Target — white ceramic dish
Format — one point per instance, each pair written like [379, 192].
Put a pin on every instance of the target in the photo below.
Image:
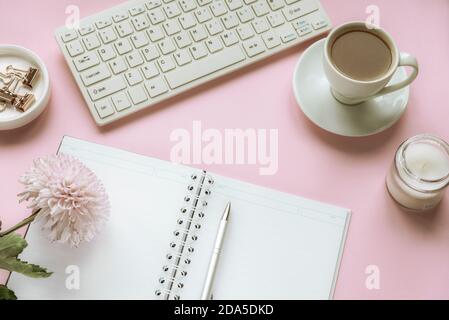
[20, 57]
[312, 92]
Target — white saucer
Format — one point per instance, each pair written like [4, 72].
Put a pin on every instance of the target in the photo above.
[23, 58]
[313, 95]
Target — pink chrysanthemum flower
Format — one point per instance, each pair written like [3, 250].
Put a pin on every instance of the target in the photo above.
[72, 201]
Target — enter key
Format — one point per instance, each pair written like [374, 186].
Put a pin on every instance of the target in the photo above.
[300, 9]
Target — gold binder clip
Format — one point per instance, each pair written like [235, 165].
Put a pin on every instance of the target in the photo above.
[13, 79]
[7, 98]
[12, 85]
[6, 78]
[28, 77]
[23, 103]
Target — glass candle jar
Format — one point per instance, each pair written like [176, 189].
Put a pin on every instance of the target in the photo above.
[420, 173]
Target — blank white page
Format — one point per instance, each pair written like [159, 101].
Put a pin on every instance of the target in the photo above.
[277, 246]
[125, 260]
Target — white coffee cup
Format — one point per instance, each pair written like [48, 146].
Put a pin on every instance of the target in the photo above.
[352, 91]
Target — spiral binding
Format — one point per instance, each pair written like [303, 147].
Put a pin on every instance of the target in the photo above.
[182, 247]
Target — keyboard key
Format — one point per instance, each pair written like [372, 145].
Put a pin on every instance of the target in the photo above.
[106, 88]
[299, 9]
[139, 40]
[287, 37]
[229, 38]
[69, 35]
[140, 22]
[218, 8]
[198, 51]
[95, 75]
[172, 10]
[183, 40]
[75, 48]
[203, 14]
[306, 29]
[245, 14]
[198, 33]
[153, 4]
[124, 28]
[86, 29]
[271, 39]
[205, 66]
[155, 33]
[234, 4]
[118, 65]
[107, 53]
[261, 8]
[171, 27]
[123, 46]
[245, 31]
[275, 19]
[119, 17]
[134, 11]
[107, 35]
[121, 101]
[260, 25]
[214, 27]
[86, 61]
[276, 4]
[134, 59]
[287, 33]
[230, 20]
[204, 2]
[187, 5]
[133, 77]
[150, 52]
[103, 23]
[249, 1]
[166, 46]
[156, 87]
[299, 23]
[253, 47]
[166, 64]
[182, 57]
[150, 70]
[156, 16]
[319, 23]
[104, 109]
[91, 42]
[138, 94]
[214, 44]
[187, 21]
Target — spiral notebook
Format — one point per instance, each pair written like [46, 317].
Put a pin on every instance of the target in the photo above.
[159, 239]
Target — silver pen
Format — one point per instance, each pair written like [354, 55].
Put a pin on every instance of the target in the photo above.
[206, 295]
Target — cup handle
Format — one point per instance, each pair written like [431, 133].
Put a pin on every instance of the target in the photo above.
[405, 60]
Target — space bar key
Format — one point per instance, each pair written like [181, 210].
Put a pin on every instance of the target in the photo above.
[205, 66]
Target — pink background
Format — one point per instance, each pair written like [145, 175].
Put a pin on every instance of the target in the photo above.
[411, 251]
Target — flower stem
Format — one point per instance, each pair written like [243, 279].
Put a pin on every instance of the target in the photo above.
[21, 224]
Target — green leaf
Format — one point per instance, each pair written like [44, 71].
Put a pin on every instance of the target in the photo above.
[10, 247]
[23, 267]
[6, 294]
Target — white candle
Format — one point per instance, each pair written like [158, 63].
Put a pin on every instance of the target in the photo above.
[419, 173]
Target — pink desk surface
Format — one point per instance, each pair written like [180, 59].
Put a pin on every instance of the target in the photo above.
[411, 252]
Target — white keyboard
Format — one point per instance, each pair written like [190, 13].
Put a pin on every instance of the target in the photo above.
[139, 53]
